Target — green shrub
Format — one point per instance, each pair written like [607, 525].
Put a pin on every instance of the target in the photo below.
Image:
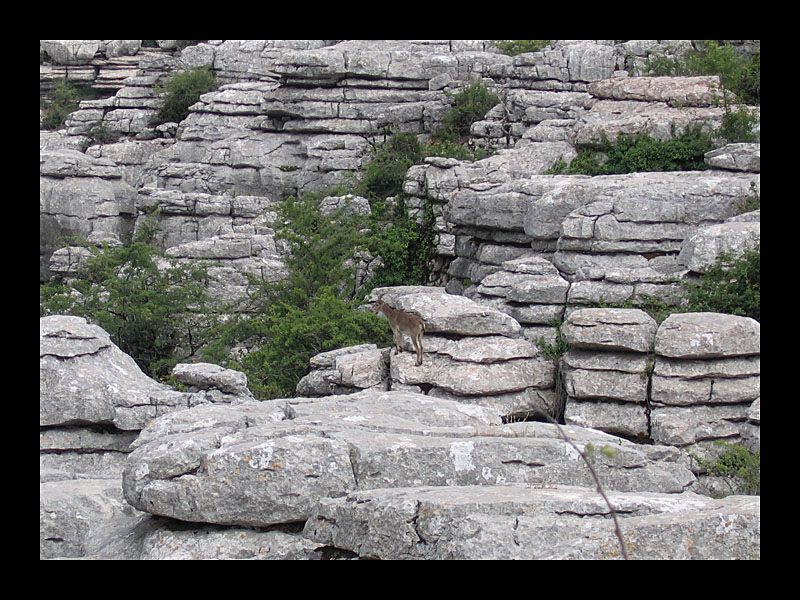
[740, 467]
[321, 246]
[642, 152]
[181, 91]
[470, 104]
[384, 174]
[100, 134]
[732, 285]
[514, 47]
[153, 313]
[406, 247]
[286, 336]
[65, 100]
[737, 125]
[451, 149]
[737, 73]
[312, 311]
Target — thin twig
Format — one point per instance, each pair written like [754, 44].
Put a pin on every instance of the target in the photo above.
[583, 456]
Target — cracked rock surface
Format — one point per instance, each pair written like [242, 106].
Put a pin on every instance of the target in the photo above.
[247, 464]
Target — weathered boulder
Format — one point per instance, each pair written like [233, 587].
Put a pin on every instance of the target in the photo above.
[705, 197]
[707, 376]
[531, 290]
[346, 370]
[606, 370]
[206, 376]
[523, 522]
[610, 329]
[708, 335]
[472, 354]
[736, 157]
[85, 378]
[610, 118]
[73, 513]
[93, 398]
[248, 464]
[70, 52]
[78, 196]
[676, 91]
[701, 250]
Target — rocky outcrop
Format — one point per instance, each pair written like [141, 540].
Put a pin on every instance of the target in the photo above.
[606, 369]
[227, 463]
[81, 196]
[93, 401]
[378, 457]
[295, 116]
[509, 522]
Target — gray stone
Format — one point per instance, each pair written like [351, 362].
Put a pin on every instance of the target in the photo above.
[72, 512]
[707, 335]
[515, 522]
[736, 157]
[630, 330]
[675, 91]
[701, 250]
[205, 376]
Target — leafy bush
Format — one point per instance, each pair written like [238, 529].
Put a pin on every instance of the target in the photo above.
[737, 125]
[731, 285]
[514, 47]
[738, 466]
[405, 246]
[287, 336]
[470, 104]
[181, 91]
[451, 149]
[65, 100]
[642, 152]
[384, 174]
[737, 73]
[152, 308]
[322, 248]
[313, 310]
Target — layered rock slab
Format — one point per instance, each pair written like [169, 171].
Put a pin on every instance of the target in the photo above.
[518, 522]
[258, 464]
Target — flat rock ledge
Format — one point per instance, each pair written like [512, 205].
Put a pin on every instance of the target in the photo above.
[260, 464]
[520, 522]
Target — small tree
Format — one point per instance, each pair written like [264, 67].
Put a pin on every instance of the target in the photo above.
[732, 285]
[154, 309]
[181, 91]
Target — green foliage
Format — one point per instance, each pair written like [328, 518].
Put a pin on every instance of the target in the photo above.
[65, 100]
[312, 311]
[739, 466]
[451, 149]
[100, 134]
[737, 73]
[152, 308]
[322, 247]
[287, 336]
[469, 105]
[554, 351]
[514, 47]
[737, 126]
[642, 152]
[405, 246]
[181, 91]
[385, 172]
[732, 285]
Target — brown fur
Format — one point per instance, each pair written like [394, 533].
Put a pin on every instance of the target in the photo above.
[403, 322]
